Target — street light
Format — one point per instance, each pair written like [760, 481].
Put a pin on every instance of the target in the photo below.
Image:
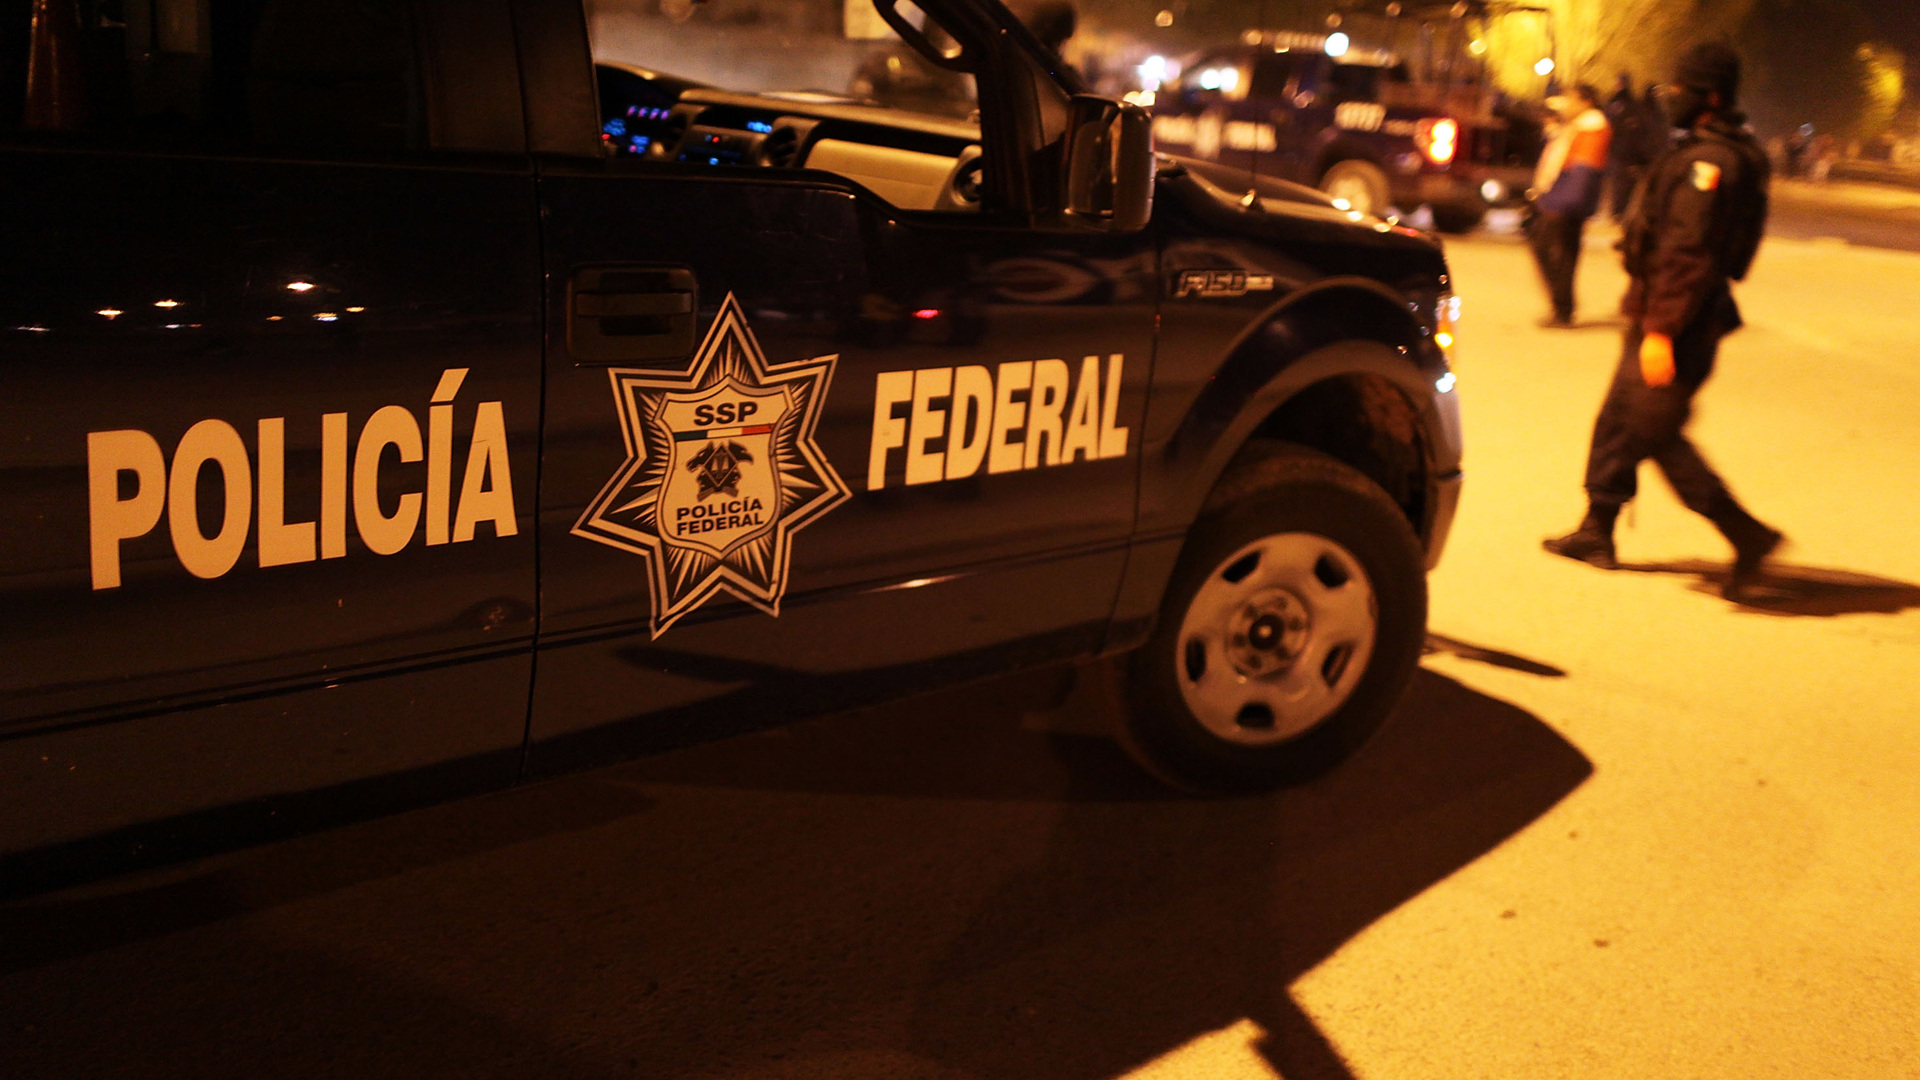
[1336, 44]
[1152, 72]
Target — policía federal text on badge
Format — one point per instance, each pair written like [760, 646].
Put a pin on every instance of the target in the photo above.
[721, 471]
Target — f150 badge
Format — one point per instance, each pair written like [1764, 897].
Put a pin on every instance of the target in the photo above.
[721, 471]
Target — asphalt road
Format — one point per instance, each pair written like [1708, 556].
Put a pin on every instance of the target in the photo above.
[1620, 827]
[1865, 215]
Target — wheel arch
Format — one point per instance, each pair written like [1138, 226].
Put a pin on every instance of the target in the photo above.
[1339, 150]
[1342, 367]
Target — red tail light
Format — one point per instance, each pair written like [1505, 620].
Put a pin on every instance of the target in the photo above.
[1438, 138]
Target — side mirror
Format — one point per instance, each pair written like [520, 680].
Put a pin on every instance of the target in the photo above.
[1109, 163]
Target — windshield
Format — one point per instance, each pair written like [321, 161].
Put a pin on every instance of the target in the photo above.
[809, 50]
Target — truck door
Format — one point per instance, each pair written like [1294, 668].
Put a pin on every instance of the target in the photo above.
[828, 415]
[1208, 111]
[267, 435]
[1278, 103]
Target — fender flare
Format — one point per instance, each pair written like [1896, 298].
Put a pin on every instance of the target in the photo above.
[1296, 344]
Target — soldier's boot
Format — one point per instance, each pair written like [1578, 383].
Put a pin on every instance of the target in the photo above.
[1752, 542]
[1592, 542]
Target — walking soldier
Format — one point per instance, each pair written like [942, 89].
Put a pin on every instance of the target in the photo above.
[1694, 226]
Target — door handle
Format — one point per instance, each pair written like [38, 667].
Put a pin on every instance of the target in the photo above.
[603, 305]
[627, 313]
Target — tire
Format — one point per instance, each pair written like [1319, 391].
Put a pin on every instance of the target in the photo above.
[1361, 183]
[1457, 219]
[1290, 628]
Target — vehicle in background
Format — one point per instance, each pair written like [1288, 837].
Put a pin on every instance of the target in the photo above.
[1373, 128]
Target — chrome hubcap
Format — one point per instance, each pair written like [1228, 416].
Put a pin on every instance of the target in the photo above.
[1267, 633]
[1276, 638]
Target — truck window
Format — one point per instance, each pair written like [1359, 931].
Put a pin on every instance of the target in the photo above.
[1353, 82]
[1213, 77]
[1274, 77]
[283, 75]
[819, 84]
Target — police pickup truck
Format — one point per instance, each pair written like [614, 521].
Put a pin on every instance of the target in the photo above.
[1353, 122]
[395, 403]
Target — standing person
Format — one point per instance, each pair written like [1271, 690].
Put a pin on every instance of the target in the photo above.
[1566, 190]
[1822, 152]
[1694, 227]
[1797, 144]
[1628, 152]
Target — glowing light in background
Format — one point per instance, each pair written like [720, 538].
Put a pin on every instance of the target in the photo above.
[1337, 44]
[1544, 67]
[299, 286]
[1221, 78]
[1439, 138]
[1152, 72]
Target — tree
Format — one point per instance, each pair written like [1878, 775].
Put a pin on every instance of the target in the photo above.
[1883, 86]
[1594, 40]
[1805, 66]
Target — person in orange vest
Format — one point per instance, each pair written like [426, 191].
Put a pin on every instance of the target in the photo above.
[1566, 192]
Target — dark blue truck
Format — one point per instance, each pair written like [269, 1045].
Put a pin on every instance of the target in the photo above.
[1357, 125]
[406, 398]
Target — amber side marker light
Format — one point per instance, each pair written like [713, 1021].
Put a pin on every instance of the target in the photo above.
[1446, 314]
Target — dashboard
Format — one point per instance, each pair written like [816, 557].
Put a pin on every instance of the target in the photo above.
[913, 161]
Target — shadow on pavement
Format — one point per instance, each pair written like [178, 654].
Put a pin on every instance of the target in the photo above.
[1437, 643]
[135, 907]
[1784, 589]
[926, 888]
[1148, 920]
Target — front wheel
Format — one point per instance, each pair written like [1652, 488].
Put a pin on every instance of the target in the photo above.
[1359, 184]
[1288, 632]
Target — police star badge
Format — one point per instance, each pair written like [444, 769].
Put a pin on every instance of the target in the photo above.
[721, 471]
